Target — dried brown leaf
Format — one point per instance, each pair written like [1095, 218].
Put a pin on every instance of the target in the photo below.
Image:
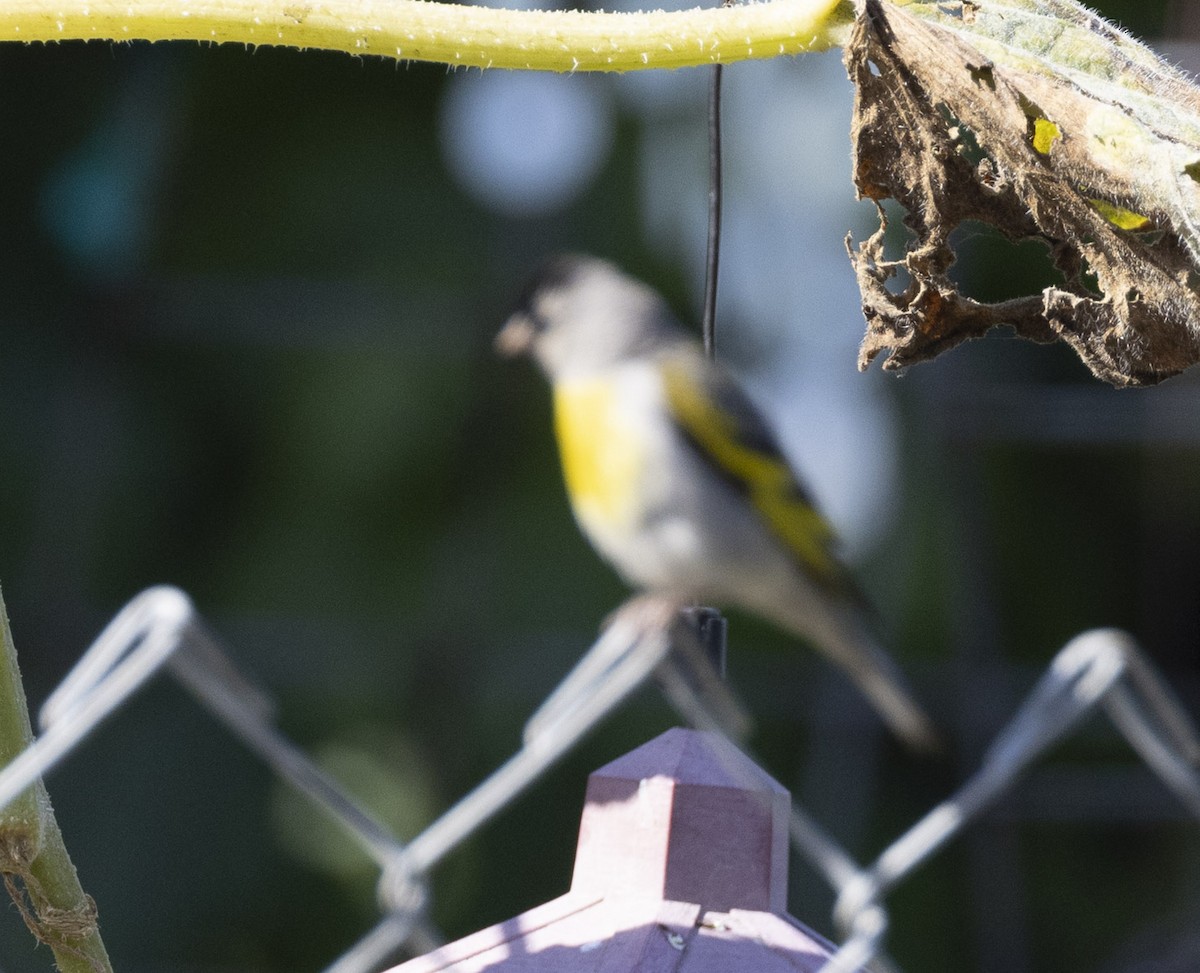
[953, 135]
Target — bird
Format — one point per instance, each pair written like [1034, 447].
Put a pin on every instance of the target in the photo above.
[677, 479]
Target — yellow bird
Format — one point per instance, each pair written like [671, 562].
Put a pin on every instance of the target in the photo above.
[677, 480]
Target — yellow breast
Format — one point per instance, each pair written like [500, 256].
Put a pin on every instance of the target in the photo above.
[601, 453]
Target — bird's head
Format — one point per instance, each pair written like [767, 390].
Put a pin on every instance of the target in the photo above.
[580, 314]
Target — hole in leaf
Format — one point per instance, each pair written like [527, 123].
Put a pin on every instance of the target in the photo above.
[992, 268]
[965, 142]
[897, 239]
[899, 281]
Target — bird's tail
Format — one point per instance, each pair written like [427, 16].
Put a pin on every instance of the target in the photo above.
[843, 637]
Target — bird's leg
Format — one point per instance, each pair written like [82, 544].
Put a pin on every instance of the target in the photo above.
[692, 675]
[711, 632]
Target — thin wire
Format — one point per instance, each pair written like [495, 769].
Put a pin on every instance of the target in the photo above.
[713, 250]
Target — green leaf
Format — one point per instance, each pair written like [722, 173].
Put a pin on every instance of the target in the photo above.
[1045, 134]
[1119, 216]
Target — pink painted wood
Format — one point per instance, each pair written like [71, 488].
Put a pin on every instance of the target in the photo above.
[681, 868]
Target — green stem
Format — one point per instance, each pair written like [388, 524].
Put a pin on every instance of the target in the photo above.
[33, 859]
[455, 34]
[21, 821]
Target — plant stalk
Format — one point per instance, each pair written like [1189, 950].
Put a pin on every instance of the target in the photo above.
[449, 33]
[36, 868]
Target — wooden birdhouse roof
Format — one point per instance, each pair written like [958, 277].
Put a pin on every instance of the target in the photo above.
[681, 867]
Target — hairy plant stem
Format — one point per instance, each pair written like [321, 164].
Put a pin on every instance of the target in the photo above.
[36, 869]
[453, 34]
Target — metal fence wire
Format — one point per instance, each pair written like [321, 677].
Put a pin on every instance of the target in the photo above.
[1098, 671]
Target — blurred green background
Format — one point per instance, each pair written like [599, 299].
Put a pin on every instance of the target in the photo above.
[246, 308]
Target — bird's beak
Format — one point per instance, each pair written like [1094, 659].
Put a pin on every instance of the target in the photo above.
[516, 337]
